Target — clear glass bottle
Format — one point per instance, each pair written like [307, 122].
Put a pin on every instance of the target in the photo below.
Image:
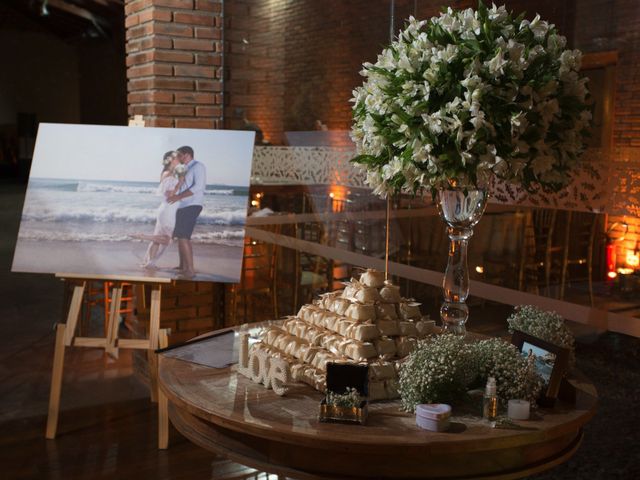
[490, 401]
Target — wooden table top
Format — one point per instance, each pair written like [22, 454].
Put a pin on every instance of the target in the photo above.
[226, 400]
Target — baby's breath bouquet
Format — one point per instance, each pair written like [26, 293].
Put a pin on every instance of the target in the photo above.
[349, 399]
[515, 375]
[467, 95]
[438, 370]
[442, 370]
[548, 326]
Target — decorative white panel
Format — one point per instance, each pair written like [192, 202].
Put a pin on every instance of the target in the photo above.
[604, 182]
[305, 166]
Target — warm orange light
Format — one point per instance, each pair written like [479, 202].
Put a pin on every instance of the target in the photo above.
[338, 192]
[255, 203]
[480, 269]
[338, 195]
[612, 274]
[633, 259]
[625, 271]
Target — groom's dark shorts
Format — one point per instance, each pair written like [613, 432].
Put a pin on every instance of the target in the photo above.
[186, 221]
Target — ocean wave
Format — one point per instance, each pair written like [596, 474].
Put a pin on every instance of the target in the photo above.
[235, 217]
[100, 187]
[224, 237]
[109, 188]
[227, 191]
[205, 237]
[75, 237]
[232, 238]
[82, 214]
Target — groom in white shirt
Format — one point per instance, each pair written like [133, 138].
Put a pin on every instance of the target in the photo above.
[191, 198]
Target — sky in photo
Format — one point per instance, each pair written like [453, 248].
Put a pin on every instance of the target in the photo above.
[92, 152]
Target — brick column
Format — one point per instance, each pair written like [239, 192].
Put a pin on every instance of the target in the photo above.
[174, 62]
[174, 73]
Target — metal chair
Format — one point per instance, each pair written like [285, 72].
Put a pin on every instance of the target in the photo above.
[541, 253]
[582, 228]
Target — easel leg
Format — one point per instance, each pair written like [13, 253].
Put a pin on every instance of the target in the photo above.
[114, 321]
[154, 326]
[163, 403]
[74, 312]
[64, 338]
[56, 382]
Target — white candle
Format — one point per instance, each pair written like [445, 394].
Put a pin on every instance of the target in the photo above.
[518, 409]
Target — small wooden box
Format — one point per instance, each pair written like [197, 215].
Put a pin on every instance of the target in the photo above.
[340, 377]
[334, 413]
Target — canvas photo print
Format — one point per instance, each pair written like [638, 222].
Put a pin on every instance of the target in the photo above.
[136, 202]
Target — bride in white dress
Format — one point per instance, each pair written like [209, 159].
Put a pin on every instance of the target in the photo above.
[166, 216]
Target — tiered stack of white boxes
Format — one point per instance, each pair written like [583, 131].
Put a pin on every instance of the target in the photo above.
[367, 323]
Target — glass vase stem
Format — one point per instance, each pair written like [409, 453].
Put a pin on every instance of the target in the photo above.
[455, 284]
[461, 209]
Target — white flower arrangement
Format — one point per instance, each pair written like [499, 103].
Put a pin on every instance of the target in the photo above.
[515, 375]
[548, 326]
[441, 370]
[468, 95]
[180, 171]
[437, 371]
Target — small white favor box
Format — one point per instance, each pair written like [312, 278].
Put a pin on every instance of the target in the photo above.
[433, 416]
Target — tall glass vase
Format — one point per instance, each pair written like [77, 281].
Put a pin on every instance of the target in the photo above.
[461, 209]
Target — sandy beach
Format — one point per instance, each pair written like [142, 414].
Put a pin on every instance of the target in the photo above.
[213, 262]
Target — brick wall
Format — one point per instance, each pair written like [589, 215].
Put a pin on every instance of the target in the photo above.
[292, 63]
[190, 309]
[174, 58]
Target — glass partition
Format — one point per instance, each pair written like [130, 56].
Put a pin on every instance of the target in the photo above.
[289, 73]
[575, 261]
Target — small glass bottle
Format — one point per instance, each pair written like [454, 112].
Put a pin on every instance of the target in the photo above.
[490, 401]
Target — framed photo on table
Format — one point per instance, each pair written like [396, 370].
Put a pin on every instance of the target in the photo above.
[552, 362]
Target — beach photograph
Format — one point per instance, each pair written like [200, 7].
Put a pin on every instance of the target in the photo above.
[136, 202]
[544, 360]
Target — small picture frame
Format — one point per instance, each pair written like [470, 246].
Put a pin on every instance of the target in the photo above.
[552, 362]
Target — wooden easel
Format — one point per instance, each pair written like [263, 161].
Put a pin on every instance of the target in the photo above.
[66, 337]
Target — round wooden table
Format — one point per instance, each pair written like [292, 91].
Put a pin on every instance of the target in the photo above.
[223, 411]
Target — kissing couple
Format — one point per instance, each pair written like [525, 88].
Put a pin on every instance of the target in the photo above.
[182, 185]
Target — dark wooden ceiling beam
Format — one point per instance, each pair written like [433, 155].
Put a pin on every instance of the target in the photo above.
[112, 6]
[78, 12]
[108, 3]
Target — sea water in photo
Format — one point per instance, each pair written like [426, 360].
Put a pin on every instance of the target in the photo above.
[111, 213]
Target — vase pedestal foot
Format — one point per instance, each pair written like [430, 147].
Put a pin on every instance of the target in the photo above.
[454, 315]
